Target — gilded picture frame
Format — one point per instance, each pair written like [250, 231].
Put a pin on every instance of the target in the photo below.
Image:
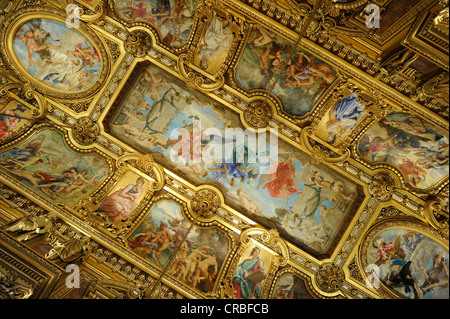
[84, 56]
[412, 243]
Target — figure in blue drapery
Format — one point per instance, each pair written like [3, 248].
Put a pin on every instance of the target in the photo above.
[248, 277]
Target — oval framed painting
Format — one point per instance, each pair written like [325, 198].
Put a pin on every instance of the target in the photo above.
[405, 259]
[57, 59]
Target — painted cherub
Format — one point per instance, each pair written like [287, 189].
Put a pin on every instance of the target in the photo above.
[34, 41]
[85, 53]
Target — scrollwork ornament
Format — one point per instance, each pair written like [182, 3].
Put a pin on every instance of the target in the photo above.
[146, 164]
[320, 153]
[25, 94]
[197, 81]
[205, 203]
[271, 238]
[382, 187]
[97, 13]
[329, 278]
[436, 216]
[26, 99]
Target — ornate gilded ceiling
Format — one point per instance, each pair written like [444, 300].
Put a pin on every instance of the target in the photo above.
[224, 149]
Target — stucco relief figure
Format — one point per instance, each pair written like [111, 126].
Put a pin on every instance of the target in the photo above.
[74, 250]
[30, 227]
[11, 288]
[121, 203]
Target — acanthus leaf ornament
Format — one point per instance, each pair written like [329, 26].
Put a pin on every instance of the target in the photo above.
[85, 131]
[382, 187]
[205, 203]
[330, 278]
[138, 43]
[258, 114]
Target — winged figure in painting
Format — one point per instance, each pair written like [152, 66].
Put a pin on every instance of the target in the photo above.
[35, 40]
[388, 249]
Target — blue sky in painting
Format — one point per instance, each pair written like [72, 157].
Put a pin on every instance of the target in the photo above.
[60, 35]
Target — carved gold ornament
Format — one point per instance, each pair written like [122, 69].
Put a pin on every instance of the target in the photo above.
[329, 278]
[116, 135]
[138, 43]
[85, 131]
[65, 84]
[435, 214]
[205, 203]
[12, 287]
[258, 114]
[382, 186]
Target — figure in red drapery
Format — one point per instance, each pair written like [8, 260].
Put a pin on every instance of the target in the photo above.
[282, 182]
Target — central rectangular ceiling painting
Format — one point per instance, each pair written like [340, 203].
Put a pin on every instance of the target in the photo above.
[306, 202]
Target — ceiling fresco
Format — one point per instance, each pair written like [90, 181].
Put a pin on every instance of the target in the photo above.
[253, 149]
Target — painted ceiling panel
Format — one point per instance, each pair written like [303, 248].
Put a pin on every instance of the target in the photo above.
[224, 149]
